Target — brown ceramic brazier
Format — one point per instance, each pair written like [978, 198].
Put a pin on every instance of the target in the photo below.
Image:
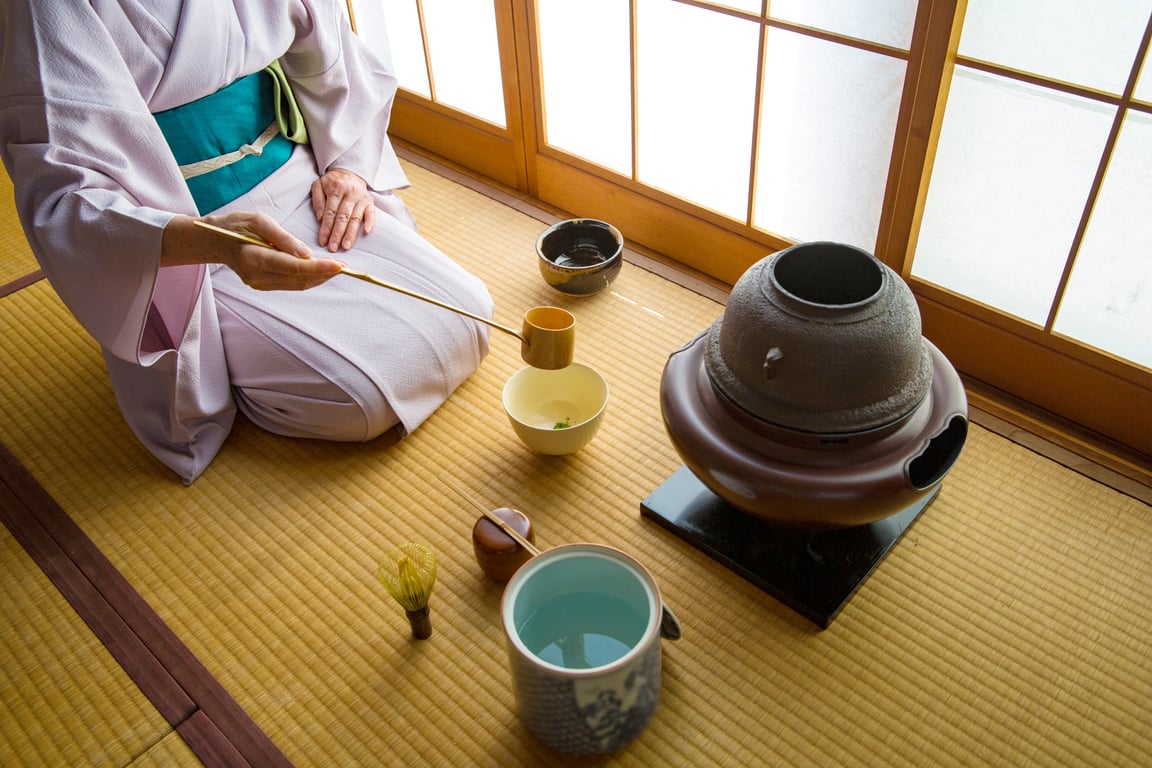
[814, 400]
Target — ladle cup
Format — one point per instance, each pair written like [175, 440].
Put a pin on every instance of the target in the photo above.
[547, 337]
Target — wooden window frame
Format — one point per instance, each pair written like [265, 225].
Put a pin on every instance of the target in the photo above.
[1085, 388]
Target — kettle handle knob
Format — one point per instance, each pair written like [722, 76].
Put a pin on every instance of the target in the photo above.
[771, 360]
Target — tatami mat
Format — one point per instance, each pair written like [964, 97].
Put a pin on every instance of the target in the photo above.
[1009, 627]
[16, 261]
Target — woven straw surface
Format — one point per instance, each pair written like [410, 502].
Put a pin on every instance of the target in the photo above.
[15, 258]
[1009, 627]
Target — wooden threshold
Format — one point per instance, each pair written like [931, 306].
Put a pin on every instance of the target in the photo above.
[1057, 439]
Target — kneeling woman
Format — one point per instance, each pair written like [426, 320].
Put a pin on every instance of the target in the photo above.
[264, 118]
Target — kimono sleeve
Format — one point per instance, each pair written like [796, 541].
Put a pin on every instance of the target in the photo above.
[345, 92]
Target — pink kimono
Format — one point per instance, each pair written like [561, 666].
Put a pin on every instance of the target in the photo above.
[96, 183]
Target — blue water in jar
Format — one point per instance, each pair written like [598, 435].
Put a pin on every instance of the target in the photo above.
[583, 630]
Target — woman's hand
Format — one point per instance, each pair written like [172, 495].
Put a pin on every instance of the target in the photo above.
[342, 205]
[286, 264]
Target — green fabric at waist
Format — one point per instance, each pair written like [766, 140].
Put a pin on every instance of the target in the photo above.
[221, 123]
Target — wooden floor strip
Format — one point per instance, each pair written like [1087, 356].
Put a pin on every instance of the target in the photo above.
[21, 282]
[57, 563]
[187, 695]
[209, 743]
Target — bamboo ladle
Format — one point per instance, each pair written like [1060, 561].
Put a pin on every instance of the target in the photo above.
[547, 336]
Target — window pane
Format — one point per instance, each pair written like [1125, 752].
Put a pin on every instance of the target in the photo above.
[584, 50]
[404, 39]
[697, 86]
[1074, 40]
[465, 57]
[827, 123]
[1012, 172]
[1108, 302]
[882, 21]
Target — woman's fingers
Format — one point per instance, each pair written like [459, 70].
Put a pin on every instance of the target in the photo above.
[286, 263]
[262, 227]
[343, 207]
[267, 269]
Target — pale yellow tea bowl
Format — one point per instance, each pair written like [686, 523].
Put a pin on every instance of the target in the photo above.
[556, 411]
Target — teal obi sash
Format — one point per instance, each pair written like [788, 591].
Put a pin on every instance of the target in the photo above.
[229, 141]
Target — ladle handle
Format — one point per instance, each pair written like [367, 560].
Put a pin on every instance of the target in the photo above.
[407, 292]
[368, 278]
[514, 534]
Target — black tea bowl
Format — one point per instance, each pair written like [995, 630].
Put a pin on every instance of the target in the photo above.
[580, 257]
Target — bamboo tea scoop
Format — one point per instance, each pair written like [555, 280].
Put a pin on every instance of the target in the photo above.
[547, 336]
[669, 624]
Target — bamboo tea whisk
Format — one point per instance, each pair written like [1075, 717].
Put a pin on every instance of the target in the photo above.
[408, 573]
